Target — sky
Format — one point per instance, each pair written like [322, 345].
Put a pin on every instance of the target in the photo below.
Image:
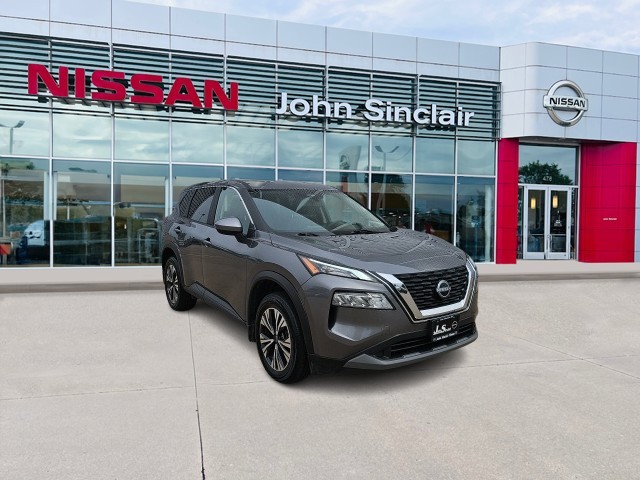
[605, 25]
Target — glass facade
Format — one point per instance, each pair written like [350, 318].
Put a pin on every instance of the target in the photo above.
[88, 183]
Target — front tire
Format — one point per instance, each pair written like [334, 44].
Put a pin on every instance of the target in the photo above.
[179, 299]
[279, 340]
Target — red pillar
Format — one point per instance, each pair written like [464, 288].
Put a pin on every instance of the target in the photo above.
[507, 201]
[607, 202]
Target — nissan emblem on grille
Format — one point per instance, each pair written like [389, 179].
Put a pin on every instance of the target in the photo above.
[443, 288]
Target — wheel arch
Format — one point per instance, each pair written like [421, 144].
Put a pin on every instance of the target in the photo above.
[269, 282]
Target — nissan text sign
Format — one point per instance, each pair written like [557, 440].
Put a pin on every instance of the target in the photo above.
[111, 86]
[556, 104]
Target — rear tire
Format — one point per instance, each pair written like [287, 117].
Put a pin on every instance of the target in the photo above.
[279, 340]
[178, 298]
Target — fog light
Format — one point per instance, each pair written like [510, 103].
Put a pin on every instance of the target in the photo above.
[361, 300]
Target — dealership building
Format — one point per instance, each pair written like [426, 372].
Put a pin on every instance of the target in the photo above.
[110, 108]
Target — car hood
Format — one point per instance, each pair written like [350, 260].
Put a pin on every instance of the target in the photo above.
[402, 251]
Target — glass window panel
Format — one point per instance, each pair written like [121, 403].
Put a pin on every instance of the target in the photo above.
[435, 155]
[82, 215]
[475, 217]
[300, 148]
[251, 173]
[476, 158]
[356, 185]
[142, 139]
[250, 146]
[391, 154]
[300, 175]
[391, 198]
[139, 193]
[196, 142]
[24, 133]
[85, 136]
[347, 151]
[542, 164]
[187, 175]
[24, 227]
[434, 206]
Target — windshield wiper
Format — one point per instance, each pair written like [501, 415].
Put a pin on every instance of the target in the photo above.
[360, 231]
[307, 234]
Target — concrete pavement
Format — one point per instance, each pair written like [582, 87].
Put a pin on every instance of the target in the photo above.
[116, 385]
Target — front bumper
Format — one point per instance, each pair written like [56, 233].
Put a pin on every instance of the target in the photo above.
[376, 339]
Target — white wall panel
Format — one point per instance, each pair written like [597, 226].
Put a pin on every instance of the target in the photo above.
[620, 86]
[251, 51]
[299, 36]
[513, 80]
[32, 9]
[259, 31]
[514, 56]
[438, 51]
[349, 61]
[398, 66]
[301, 56]
[479, 56]
[199, 45]
[140, 16]
[589, 82]
[620, 108]
[397, 47]
[193, 23]
[24, 26]
[542, 78]
[541, 125]
[619, 130]
[512, 126]
[584, 59]
[143, 39]
[94, 12]
[80, 32]
[620, 63]
[479, 74]
[588, 128]
[448, 71]
[350, 42]
[512, 103]
[547, 54]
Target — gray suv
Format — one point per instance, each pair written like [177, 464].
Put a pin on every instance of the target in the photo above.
[319, 281]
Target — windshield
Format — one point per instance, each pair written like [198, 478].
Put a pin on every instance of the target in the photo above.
[315, 212]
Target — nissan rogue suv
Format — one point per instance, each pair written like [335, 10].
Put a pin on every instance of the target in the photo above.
[319, 281]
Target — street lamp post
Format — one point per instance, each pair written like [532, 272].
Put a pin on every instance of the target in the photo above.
[3, 172]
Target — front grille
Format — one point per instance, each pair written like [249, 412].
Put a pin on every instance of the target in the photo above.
[422, 287]
[422, 344]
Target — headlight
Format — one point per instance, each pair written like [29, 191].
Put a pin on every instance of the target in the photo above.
[361, 300]
[316, 266]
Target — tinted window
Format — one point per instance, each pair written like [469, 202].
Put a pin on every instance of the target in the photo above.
[184, 204]
[201, 204]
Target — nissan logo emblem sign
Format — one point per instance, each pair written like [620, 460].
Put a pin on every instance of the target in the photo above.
[443, 288]
[565, 110]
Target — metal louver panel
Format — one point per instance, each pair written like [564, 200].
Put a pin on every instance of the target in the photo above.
[15, 54]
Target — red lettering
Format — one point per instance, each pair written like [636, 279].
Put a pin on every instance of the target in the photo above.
[189, 96]
[81, 83]
[150, 86]
[228, 102]
[106, 80]
[37, 73]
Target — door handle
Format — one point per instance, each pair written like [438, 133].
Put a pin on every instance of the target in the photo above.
[178, 229]
[207, 242]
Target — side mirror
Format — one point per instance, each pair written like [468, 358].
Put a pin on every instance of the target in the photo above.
[228, 226]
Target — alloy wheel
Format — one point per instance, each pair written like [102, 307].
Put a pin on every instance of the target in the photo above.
[275, 339]
[171, 284]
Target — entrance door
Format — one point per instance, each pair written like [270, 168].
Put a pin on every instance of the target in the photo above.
[547, 223]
